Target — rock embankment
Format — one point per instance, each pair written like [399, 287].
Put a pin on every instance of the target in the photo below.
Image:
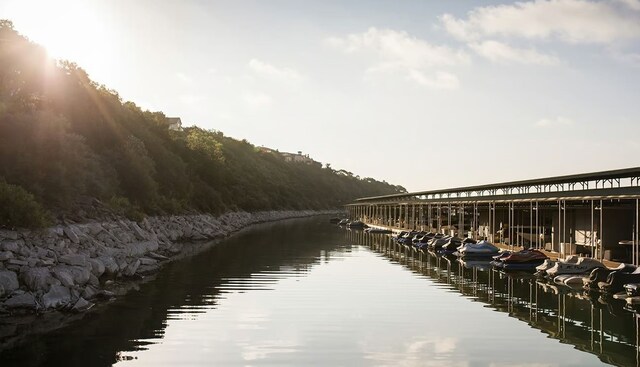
[68, 267]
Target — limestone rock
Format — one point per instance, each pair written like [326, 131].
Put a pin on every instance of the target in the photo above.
[71, 234]
[97, 267]
[6, 255]
[64, 275]
[73, 259]
[140, 248]
[37, 279]
[10, 245]
[158, 257]
[131, 269]
[110, 265]
[82, 305]
[147, 261]
[58, 296]
[89, 292]
[9, 281]
[25, 300]
[10, 235]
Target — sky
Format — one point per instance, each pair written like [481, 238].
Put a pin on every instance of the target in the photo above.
[424, 94]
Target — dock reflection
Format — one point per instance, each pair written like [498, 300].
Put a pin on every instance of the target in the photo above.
[605, 327]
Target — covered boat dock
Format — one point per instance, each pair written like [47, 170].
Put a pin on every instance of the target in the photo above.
[592, 214]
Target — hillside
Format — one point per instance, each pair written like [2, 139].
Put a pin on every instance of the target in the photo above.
[70, 147]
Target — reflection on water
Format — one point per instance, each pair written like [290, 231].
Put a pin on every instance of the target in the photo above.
[603, 326]
[303, 292]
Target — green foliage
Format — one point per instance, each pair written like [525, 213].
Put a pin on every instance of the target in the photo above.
[64, 137]
[18, 208]
[123, 207]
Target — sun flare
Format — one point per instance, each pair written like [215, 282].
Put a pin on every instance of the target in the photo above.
[68, 30]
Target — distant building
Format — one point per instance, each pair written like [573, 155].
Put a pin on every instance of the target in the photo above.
[174, 123]
[297, 158]
[292, 157]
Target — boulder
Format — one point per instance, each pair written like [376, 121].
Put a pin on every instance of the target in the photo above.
[138, 249]
[17, 262]
[131, 269]
[10, 245]
[82, 305]
[25, 300]
[73, 259]
[89, 292]
[158, 257]
[138, 232]
[6, 255]
[58, 296]
[147, 261]
[97, 267]
[37, 279]
[9, 281]
[71, 234]
[64, 275]
[110, 265]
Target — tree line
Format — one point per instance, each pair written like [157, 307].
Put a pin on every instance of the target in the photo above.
[66, 140]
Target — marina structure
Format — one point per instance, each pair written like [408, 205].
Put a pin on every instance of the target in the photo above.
[593, 214]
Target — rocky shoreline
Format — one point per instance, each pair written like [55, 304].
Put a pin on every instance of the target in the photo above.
[72, 267]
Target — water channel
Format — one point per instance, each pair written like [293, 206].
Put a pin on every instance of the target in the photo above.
[305, 292]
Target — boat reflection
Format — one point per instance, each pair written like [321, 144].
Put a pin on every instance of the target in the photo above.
[605, 327]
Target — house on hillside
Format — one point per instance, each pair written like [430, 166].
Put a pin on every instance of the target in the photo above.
[174, 123]
[291, 157]
[298, 158]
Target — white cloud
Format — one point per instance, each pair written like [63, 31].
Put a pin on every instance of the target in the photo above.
[441, 80]
[269, 71]
[502, 53]
[397, 51]
[554, 122]
[574, 21]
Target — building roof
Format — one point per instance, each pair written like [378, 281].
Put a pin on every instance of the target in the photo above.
[600, 176]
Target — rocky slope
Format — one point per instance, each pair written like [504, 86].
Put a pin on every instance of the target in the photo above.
[70, 267]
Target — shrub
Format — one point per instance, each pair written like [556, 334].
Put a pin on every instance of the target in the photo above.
[18, 208]
[123, 207]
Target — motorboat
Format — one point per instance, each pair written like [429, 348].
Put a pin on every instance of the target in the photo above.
[617, 280]
[632, 289]
[334, 220]
[480, 249]
[356, 224]
[546, 265]
[377, 230]
[437, 243]
[527, 259]
[571, 280]
[343, 222]
[452, 245]
[599, 275]
[581, 265]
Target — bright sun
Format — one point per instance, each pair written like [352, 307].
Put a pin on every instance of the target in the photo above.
[68, 29]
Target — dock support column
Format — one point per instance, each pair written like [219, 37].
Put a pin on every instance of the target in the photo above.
[439, 219]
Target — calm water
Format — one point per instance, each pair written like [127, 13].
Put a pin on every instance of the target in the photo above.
[304, 292]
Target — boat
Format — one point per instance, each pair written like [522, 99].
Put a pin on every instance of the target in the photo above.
[599, 275]
[480, 249]
[334, 220]
[617, 280]
[343, 222]
[356, 224]
[632, 289]
[377, 230]
[582, 265]
[527, 259]
[437, 243]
